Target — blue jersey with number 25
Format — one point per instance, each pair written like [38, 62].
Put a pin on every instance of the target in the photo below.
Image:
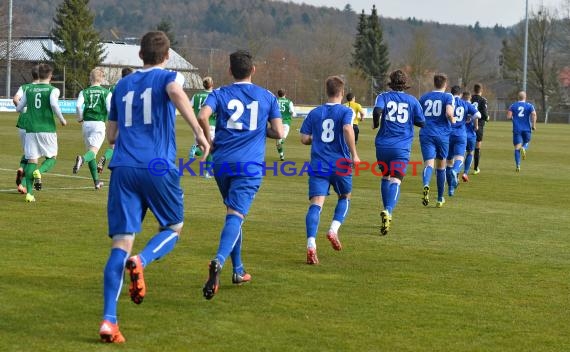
[145, 118]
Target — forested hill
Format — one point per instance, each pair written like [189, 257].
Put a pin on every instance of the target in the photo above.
[315, 40]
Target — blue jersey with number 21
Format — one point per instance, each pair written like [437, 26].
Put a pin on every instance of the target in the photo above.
[242, 110]
[145, 118]
[325, 123]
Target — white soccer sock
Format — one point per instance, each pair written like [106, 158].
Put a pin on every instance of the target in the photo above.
[335, 225]
[311, 243]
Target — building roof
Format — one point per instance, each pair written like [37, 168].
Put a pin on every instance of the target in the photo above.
[117, 53]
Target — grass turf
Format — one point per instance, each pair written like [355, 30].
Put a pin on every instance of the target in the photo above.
[488, 272]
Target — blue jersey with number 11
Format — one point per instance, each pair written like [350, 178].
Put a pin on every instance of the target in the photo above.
[145, 118]
[399, 113]
[242, 110]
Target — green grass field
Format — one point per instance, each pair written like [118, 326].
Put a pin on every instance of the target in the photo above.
[488, 272]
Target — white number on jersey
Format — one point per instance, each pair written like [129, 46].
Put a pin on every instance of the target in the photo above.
[433, 108]
[521, 111]
[237, 105]
[328, 131]
[459, 113]
[38, 101]
[399, 109]
[146, 97]
[476, 105]
[94, 99]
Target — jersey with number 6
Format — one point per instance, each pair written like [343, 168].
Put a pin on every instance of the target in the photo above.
[399, 113]
[325, 123]
[522, 112]
[435, 104]
[242, 112]
[40, 114]
[145, 118]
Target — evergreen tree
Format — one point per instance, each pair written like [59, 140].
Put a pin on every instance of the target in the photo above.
[166, 27]
[370, 52]
[80, 43]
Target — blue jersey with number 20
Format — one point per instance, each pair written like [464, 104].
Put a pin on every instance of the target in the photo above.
[242, 110]
[145, 118]
[435, 104]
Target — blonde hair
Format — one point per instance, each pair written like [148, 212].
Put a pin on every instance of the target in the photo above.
[208, 82]
[96, 76]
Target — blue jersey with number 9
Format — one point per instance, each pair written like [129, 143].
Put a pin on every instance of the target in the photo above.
[325, 123]
[242, 110]
[145, 118]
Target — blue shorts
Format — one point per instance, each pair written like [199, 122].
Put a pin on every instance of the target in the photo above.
[237, 191]
[457, 146]
[319, 185]
[132, 191]
[521, 137]
[471, 141]
[434, 147]
[395, 161]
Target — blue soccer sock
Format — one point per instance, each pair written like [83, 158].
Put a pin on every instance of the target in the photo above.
[448, 175]
[229, 237]
[428, 170]
[236, 255]
[526, 145]
[112, 283]
[517, 157]
[468, 161]
[160, 245]
[340, 212]
[312, 220]
[384, 189]
[393, 196]
[457, 165]
[440, 176]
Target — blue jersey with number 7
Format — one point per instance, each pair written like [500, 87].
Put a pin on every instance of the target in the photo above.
[242, 110]
[145, 118]
[325, 123]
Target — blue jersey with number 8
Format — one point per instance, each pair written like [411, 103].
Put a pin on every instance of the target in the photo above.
[325, 123]
[145, 118]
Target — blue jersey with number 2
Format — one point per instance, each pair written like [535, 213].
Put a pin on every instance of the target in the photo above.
[242, 110]
[522, 112]
[145, 118]
[325, 123]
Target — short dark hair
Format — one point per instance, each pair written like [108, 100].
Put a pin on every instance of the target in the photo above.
[44, 71]
[241, 64]
[439, 80]
[477, 88]
[126, 71]
[154, 47]
[350, 96]
[334, 85]
[35, 72]
[398, 81]
[455, 90]
[466, 95]
[280, 93]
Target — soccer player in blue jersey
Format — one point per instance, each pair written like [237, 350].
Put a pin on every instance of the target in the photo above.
[142, 126]
[458, 138]
[471, 127]
[523, 115]
[243, 111]
[434, 136]
[396, 112]
[328, 130]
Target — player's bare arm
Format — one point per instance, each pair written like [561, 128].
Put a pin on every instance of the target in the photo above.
[306, 139]
[275, 129]
[348, 132]
[450, 113]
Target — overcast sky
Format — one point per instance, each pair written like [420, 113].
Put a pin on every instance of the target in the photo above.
[465, 12]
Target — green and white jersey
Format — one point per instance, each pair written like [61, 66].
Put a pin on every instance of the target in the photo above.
[286, 109]
[23, 118]
[40, 113]
[94, 102]
[198, 100]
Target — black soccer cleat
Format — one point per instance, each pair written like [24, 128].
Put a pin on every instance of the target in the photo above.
[101, 164]
[213, 283]
[78, 163]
